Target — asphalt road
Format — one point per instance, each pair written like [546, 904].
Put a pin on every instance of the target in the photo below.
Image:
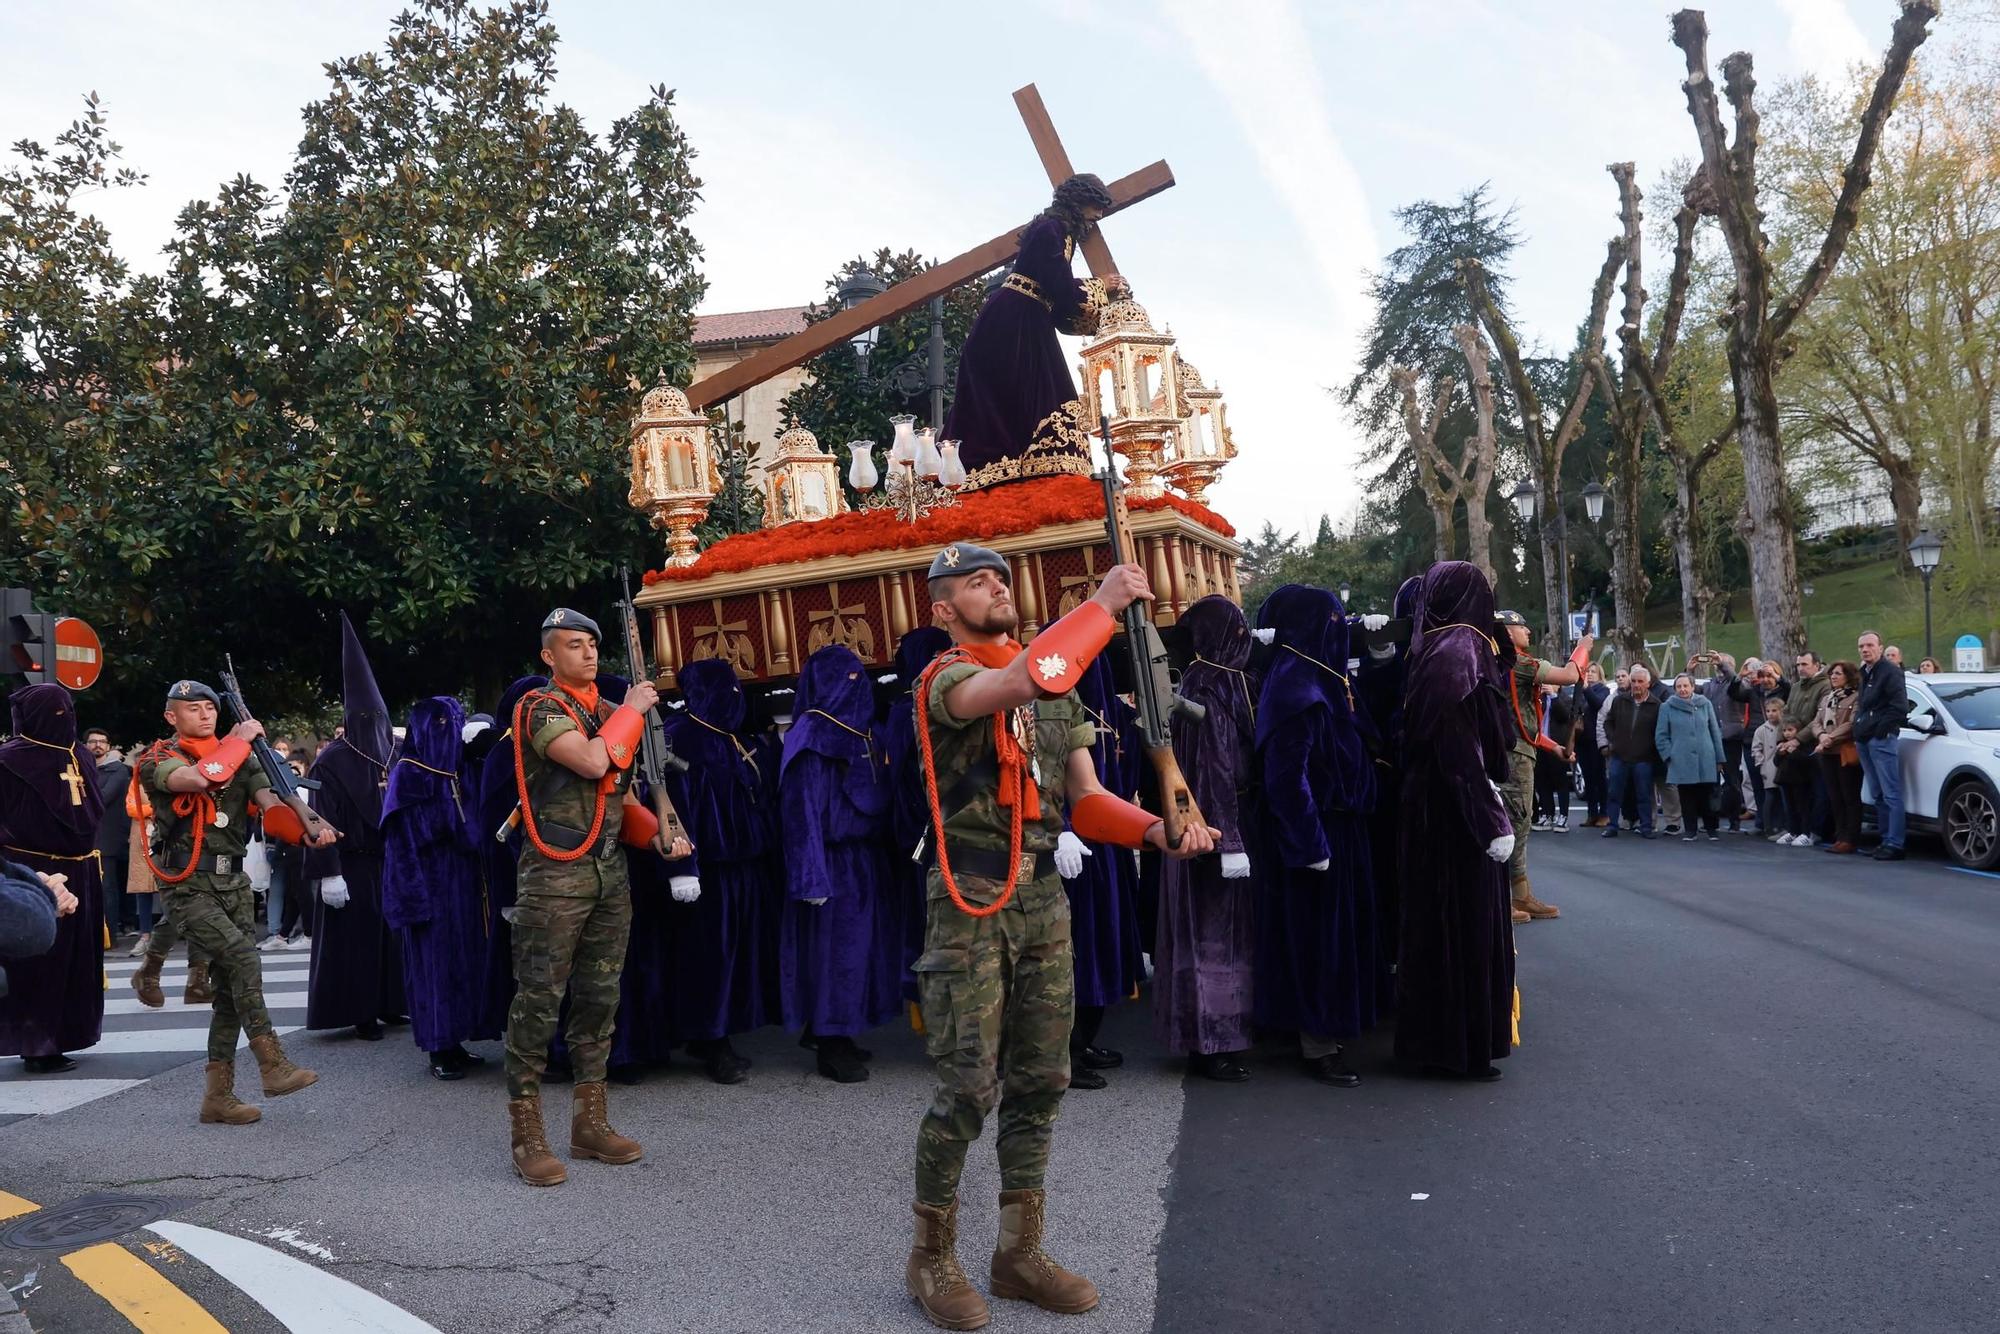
[1755, 1093]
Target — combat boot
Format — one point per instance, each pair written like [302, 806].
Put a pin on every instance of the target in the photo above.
[280, 1075]
[219, 1103]
[533, 1162]
[1535, 908]
[1022, 1271]
[590, 1132]
[146, 982]
[199, 990]
[933, 1276]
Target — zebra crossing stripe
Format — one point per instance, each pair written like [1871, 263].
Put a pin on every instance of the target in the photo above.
[302, 1298]
[273, 1000]
[44, 1097]
[194, 1038]
[139, 1292]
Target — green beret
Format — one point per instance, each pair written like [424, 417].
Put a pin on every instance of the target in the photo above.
[965, 558]
[182, 691]
[562, 618]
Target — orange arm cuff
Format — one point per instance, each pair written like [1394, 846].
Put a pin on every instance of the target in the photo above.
[638, 827]
[1060, 654]
[282, 823]
[622, 732]
[1579, 659]
[1103, 818]
[225, 760]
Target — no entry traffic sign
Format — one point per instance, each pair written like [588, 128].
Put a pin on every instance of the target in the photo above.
[79, 654]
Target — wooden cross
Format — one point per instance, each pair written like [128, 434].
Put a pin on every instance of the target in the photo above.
[940, 278]
[74, 777]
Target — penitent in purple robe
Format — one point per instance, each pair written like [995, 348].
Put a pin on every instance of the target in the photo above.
[1205, 951]
[494, 796]
[55, 1001]
[839, 961]
[1315, 953]
[910, 809]
[725, 943]
[357, 964]
[1103, 899]
[432, 894]
[1378, 689]
[1455, 981]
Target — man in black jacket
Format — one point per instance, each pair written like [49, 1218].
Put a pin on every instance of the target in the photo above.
[113, 829]
[1625, 736]
[1878, 718]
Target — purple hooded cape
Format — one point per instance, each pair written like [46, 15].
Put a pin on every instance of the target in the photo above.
[432, 894]
[1378, 688]
[1205, 950]
[55, 1001]
[1315, 929]
[357, 965]
[725, 944]
[493, 796]
[840, 962]
[1455, 981]
[909, 811]
[1104, 898]
[1012, 372]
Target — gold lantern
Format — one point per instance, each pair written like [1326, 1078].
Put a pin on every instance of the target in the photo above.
[1203, 443]
[1132, 374]
[673, 468]
[801, 481]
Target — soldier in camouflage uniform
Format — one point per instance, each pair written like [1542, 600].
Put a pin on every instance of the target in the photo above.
[998, 730]
[202, 790]
[573, 907]
[1525, 684]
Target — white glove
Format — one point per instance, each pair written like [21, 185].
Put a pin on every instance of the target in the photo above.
[1323, 864]
[1501, 848]
[817, 903]
[1235, 866]
[473, 729]
[1497, 794]
[686, 888]
[333, 891]
[1374, 620]
[1265, 635]
[1070, 852]
[507, 916]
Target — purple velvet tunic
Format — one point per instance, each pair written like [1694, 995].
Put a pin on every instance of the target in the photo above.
[1378, 689]
[725, 943]
[55, 1001]
[1205, 950]
[432, 892]
[1315, 952]
[494, 795]
[909, 811]
[1455, 981]
[840, 962]
[1103, 899]
[1012, 372]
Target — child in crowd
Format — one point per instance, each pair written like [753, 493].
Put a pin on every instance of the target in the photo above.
[1795, 780]
[1764, 768]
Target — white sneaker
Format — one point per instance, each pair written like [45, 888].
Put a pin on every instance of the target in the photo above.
[139, 946]
[1541, 822]
[299, 943]
[1561, 826]
[271, 944]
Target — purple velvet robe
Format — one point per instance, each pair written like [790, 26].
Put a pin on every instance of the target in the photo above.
[1205, 950]
[839, 962]
[910, 811]
[493, 796]
[1378, 689]
[55, 1001]
[725, 943]
[432, 894]
[1455, 980]
[357, 964]
[1315, 952]
[1012, 372]
[645, 1029]
[1103, 899]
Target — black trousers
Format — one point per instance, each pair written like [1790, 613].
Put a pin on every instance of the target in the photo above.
[1843, 784]
[1732, 780]
[1696, 807]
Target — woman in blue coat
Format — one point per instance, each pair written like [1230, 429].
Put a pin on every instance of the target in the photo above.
[1690, 745]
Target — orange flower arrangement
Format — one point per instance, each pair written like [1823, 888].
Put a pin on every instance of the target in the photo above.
[1017, 507]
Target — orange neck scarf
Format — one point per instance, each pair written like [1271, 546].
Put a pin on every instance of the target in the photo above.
[584, 695]
[1016, 782]
[201, 747]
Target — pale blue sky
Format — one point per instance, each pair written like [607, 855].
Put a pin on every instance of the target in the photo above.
[829, 129]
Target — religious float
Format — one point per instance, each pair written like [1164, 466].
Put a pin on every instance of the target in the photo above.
[821, 572]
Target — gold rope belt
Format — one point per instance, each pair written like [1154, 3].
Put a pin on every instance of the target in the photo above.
[92, 856]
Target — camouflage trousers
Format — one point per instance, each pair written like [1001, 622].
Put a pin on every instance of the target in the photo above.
[571, 923]
[998, 994]
[216, 914]
[166, 935]
[1519, 792]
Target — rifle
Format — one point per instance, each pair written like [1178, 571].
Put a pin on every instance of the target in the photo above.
[655, 755]
[283, 781]
[1153, 693]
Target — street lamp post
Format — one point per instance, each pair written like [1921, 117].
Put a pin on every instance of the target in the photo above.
[1526, 498]
[1925, 553]
[1346, 591]
[1808, 591]
[911, 375]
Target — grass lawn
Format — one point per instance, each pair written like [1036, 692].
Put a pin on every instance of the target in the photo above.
[1886, 596]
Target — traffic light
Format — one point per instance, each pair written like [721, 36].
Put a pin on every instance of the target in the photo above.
[29, 637]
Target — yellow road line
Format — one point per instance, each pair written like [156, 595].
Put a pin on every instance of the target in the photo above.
[137, 1290]
[13, 1206]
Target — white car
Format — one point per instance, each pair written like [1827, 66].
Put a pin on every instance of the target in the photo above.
[1950, 749]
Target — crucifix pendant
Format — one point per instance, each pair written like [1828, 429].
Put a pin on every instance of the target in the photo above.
[74, 778]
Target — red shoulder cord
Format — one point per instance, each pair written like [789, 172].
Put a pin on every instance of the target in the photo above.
[1535, 739]
[521, 784]
[198, 804]
[1005, 748]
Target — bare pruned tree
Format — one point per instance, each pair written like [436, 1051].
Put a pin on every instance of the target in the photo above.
[1436, 478]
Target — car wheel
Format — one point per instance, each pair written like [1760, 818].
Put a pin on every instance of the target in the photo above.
[1972, 826]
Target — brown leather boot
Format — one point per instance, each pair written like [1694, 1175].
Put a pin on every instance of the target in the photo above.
[1520, 915]
[199, 990]
[533, 1162]
[280, 1075]
[146, 981]
[1022, 1271]
[1534, 907]
[219, 1104]
[933, 1277]
[590, 1132]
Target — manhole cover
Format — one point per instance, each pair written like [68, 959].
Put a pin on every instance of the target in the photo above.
[83, 1222]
